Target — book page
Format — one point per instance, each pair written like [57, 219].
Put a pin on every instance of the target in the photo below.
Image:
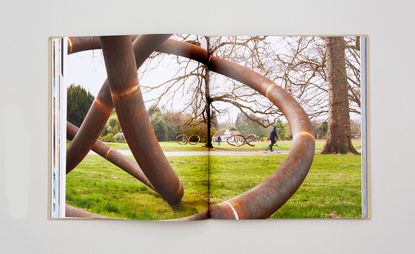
[288, 117]
[136, 140]
[227, 127]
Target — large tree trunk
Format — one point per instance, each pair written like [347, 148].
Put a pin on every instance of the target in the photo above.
[338, 137]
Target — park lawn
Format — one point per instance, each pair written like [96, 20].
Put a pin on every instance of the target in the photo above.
[99, 187]
[172, 146]
[332, 185]
[167, 146]
[281, 145]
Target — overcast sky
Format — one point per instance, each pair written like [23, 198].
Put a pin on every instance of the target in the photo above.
[88, 70]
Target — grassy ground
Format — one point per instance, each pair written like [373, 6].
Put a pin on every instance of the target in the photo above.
[102, 188]
[333, 185]
[171, 146]
[167, 146]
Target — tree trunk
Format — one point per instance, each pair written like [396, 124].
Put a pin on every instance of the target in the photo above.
[339, 134]
[208, 101]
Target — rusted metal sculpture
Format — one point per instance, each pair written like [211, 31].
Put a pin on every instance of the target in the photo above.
[256, 203]
[102, 106]
[76, 212]
[182, 139]
[240, 140]
[112, 155]
[129, 104]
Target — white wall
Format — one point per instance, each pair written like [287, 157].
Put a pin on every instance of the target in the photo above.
[24, 31]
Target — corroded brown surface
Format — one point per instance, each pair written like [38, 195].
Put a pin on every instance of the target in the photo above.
[134, 121]
[256, 203]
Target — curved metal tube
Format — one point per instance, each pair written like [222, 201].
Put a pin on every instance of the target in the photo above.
[199, 216]
[112, 155]
[244, 140]
[193, 142]
[88, 133]
[181, 139]
[134, 121]
[83, 43]
[102, 106]
[269, 195]
[71, 212]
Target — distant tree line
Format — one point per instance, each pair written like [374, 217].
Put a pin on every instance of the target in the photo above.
[250, 125]
[78, 102]
[166, 125]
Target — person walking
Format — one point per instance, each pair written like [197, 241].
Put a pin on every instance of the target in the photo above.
[273, 137]
[219, 140]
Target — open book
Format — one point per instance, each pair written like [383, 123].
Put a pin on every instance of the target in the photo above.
[190, 127]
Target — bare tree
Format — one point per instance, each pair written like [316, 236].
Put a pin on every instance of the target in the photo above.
[186, 84]
[298, 64]
[301, 70]
[252, 52]
[192, 82]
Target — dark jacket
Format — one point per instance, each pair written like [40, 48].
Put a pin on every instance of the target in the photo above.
[273, 135]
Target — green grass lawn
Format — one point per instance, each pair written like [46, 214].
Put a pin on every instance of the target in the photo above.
[99, 187]
[172, 146]
[333, 184]
[167, 146]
